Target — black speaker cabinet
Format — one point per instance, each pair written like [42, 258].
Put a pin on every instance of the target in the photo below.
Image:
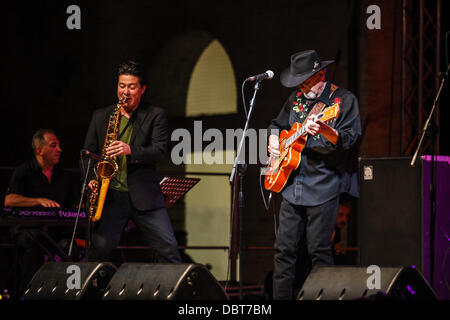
[390, 212]
[70, 281]
[140, 281]
[394, 217]
[355, 283]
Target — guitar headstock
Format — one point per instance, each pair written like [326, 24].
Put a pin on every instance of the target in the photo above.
[329, 113]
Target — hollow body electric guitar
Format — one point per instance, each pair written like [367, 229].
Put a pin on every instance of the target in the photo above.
[291, 146]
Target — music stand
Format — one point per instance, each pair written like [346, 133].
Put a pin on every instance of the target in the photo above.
[174, 188]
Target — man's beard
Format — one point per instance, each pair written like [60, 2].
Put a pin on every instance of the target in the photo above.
[310, 95]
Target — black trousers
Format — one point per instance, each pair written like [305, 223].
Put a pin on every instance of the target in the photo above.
[315, 224]
[154, 225]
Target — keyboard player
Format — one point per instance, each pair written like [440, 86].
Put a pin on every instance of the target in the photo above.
[38, 183]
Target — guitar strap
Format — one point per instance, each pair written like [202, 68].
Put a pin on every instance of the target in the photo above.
[320, 106]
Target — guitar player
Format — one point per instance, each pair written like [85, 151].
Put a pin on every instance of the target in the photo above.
[327, 171]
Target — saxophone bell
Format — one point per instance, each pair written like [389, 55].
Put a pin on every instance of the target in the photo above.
[106, 169]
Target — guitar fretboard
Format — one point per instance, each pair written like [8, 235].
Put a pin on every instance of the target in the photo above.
[300, 132]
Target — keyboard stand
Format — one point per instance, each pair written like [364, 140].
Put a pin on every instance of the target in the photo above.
[48, 246]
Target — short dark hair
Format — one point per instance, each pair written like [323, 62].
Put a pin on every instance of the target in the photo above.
[133, 68]
[38, 138]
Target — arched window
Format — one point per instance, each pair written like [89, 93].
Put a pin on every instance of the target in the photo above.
[193, 75]
[212, 86]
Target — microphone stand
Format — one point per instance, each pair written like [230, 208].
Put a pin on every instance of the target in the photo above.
[83, 191]
[240, 167]
[432, 191]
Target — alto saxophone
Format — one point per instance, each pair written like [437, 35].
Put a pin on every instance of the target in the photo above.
[105, 169]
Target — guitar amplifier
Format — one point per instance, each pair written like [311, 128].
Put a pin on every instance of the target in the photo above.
[394, 216]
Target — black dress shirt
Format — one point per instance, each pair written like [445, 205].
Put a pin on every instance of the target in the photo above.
[326, 170]
[29, 181]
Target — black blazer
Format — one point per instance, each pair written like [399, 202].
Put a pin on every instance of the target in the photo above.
[148, 145]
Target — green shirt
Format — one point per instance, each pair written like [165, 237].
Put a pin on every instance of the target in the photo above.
[120, 181]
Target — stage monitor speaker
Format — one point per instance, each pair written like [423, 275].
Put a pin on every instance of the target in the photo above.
[141, 281]
[357, 283]
[70, 281]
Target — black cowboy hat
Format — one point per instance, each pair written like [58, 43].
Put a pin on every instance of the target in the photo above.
[303, 65]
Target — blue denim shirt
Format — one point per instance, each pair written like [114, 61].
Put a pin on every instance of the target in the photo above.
[326, 170]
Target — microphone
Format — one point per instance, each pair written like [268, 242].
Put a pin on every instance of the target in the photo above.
[91, 155]
[266, 75]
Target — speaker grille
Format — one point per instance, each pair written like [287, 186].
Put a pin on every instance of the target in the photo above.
[351, 283]
[140, 281]
[51, 281]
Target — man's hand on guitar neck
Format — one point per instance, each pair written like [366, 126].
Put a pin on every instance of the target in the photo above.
[317, 127]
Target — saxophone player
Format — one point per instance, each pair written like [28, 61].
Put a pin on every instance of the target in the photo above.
[134, 192]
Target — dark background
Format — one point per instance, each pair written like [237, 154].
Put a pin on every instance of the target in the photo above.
[53, 77]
